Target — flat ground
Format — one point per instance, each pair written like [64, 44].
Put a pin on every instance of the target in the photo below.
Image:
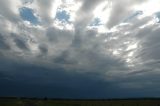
[53, 102]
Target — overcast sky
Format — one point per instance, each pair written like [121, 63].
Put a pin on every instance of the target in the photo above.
[80, 48]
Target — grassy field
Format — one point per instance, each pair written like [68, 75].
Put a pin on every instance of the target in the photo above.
[45, 102]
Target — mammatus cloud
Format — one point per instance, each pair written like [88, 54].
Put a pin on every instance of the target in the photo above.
[111, 46]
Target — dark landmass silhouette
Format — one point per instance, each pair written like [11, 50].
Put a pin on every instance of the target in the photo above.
[23, 101]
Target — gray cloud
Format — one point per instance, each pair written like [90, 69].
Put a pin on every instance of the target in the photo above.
[46, 10]
[85, 13]
[3, 43]
[21, 44]
[121, 9]
[9, 10]
[89, 5]
[43, 48]
[56, 35]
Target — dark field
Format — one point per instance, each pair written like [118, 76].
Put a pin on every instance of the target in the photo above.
[60, 102]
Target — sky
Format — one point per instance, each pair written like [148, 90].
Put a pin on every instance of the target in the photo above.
[80, 49]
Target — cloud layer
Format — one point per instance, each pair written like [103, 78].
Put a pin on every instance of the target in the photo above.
[79, 48]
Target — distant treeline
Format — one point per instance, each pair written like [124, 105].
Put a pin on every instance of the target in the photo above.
[71, 99]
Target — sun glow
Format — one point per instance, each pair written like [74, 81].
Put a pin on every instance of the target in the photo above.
[115, 52]
[148, 8]
[103, 11]
[55, 5]
[131, 47]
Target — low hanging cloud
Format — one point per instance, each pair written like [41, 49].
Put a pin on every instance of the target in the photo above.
[59, 47]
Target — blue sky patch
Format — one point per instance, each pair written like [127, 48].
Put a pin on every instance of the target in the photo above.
[96, 22]
[157, 17]
[62, 16]
[135, 14]
[27, 15]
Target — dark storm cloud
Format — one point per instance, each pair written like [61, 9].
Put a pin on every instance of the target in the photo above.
[36, 81]
[42, 82]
